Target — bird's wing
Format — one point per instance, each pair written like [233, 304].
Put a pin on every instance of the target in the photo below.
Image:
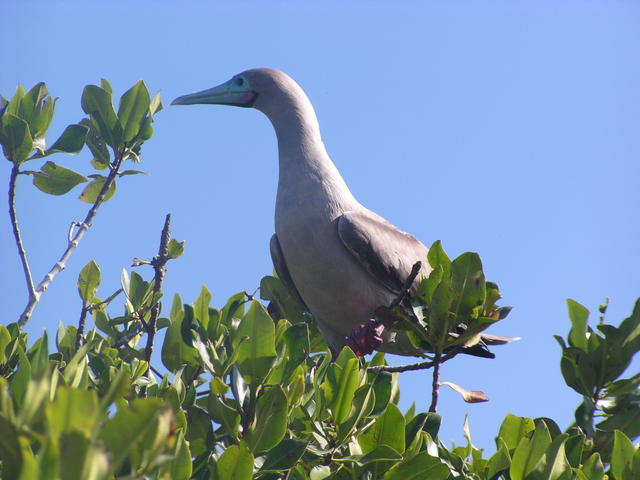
[282, 270]
[384, 251]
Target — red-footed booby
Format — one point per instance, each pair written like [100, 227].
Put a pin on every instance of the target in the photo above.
[341, 259]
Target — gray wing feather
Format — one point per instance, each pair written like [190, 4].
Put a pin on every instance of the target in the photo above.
[386, 252]
[282, 270]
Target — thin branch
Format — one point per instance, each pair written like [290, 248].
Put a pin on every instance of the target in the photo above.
[138, 328]
[83, 227]
[81, 324]
[412, 366]
[435, 386]
[407, 285]
[16, 231]
[159, 266]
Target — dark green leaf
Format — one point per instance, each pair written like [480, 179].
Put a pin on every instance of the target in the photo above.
[16, 139]
[96, 102]
[56, 180]
[256, 355]
[134, 105]
[201, 307]
[175, 352]
[388, 429]
[467, 281]
[96, 145]
[622, 457]
[421, 467]
[270, 423]
[71, 141]
[285, 455]
[88, 282]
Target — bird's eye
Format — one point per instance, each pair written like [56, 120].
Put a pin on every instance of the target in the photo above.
[239, 81]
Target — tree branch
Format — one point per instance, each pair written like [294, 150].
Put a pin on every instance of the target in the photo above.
[411, 366]
[407, 285]
[16, 231]
[159, 266]
[73, 243]
[435, 385]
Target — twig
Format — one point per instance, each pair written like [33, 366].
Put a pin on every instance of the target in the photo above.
[435, 386]
[412, 366]
[16, 231]
[160, 269]
[81, 323]
[138, 328]
[83, 227]
[407, 285]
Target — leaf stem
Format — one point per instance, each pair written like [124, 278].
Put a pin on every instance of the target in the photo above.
[15, 171]
[72, 244]
[81, 324]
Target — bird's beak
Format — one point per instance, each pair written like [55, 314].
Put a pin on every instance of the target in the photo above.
[226, 94]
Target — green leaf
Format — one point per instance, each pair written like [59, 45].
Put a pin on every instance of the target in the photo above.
[5, 339]
[579, 317]
[285, 455]
[175, 248]
[92, 191]
[421, 467]
[256, 355]
[134, 105]
[553, 465]
[88, 282]
[130, 426]
[73, 410]
[379, 454]
[11, 447]
[622, 457]
[15, 137]
[201, 307]
[273, 289]
[341, 383]
[96, 145]
[223, 414]
[56, 180]
[181, 467]
[529, 452]
[175, 352]
[382, 386]
[270, 423]
[438, 258]
[593, 467]
[236, 463]
[105, 85]
[71, 141]
[467, 281]
[388, 429]
[513, 429]
[96, 102]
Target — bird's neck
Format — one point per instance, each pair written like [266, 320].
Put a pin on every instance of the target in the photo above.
[304, 162]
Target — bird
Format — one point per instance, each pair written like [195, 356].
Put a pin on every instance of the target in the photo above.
[342, 260]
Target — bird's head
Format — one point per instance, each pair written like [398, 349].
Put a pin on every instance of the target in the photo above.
[265, 89]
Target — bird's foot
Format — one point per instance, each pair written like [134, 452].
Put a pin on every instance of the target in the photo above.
[366, 337]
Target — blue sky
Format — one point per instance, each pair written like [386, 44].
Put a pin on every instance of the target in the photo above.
[506, 128]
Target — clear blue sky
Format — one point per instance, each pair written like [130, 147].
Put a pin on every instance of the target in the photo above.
[507, 128]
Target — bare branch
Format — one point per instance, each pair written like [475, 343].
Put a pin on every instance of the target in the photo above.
[159, 266]
[435, 385]
[74, 241]
[407, 285]
[81, 324]
[128, 336]
[16, 232]
[411, 366]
